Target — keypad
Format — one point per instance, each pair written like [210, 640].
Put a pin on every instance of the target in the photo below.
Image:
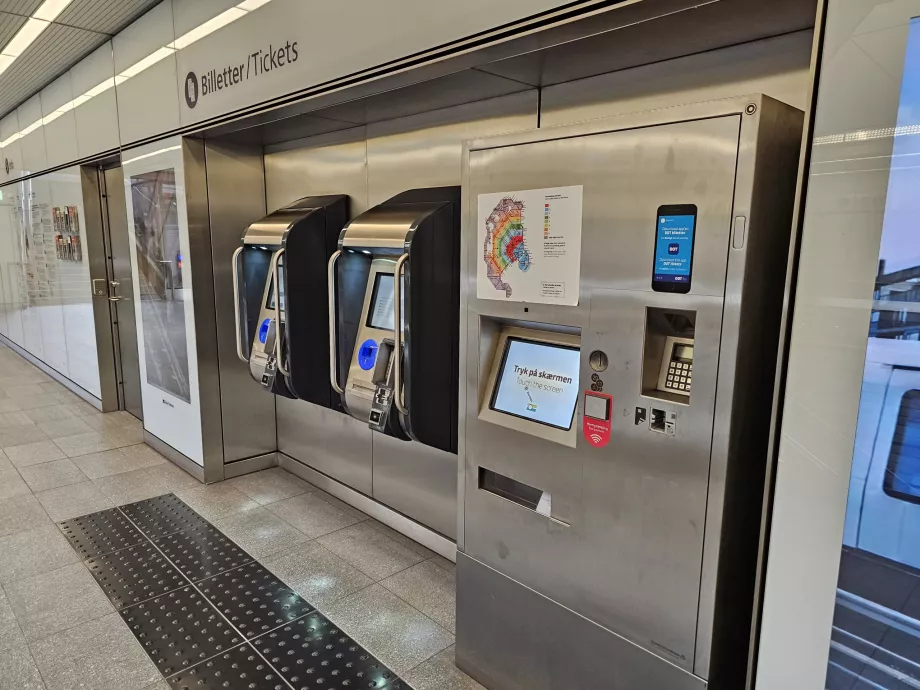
[680, 376]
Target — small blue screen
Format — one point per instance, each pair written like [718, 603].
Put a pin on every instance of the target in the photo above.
[674, 249]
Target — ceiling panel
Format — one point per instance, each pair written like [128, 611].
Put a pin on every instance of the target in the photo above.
[82, 27]
[9, 25]
[25, 7]
[52, 54]
[104, 16]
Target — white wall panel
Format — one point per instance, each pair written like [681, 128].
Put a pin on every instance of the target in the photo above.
[166, 338]
[368, 34]
[34, 156]
[12, 152]
[190, 15]
[148, 101]
[97, 117]
[60, 128]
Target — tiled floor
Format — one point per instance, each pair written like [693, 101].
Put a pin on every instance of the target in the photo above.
[60, 458]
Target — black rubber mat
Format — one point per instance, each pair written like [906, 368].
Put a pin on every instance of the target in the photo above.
[312, 654]
[163, 515]
[206, 613]
[180, 629]
[253, 599]
[202, 552]
[135, 574]
[235, 669]
[99, 533]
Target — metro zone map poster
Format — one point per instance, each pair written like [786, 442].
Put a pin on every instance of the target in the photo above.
[530, 244]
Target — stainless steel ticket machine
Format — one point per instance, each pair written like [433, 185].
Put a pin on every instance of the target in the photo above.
[620, 338]
[394, 316]
[280, 295]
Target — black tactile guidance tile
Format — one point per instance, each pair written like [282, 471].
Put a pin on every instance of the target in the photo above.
[162, 515]
[235, 669]
[179, 629]
[99, 533]
[253, 599]
[312, 654]
[135, 574]
[202, 552]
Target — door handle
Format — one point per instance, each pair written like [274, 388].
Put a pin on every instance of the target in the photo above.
[333, 341]
[237, 320]
[398, 333]
[276, 289]
[115, 299]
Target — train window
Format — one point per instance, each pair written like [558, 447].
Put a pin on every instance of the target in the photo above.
[902, 478]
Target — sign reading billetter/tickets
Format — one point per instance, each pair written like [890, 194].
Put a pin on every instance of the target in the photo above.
[531, 246]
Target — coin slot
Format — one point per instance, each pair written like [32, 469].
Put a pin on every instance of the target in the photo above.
[598, 360]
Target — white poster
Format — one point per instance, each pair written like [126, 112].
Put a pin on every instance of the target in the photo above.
[531, 246]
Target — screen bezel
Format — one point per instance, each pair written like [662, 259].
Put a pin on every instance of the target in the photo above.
[501, 373]
[674, 210]
[270, 297]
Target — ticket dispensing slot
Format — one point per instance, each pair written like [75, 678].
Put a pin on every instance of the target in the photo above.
[279, 291]
[512, 490]
[667, 371]
[394, 292]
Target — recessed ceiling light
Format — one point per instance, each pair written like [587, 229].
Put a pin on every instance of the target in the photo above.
[50, 9]
[5, 61]
[24, 37]
[209, 27]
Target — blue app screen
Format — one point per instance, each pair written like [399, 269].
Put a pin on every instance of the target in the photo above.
[674, 249]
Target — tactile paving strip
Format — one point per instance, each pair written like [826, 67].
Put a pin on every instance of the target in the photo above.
[235, 669]
[254, 600]
[192, 643]
[135, 574]
[99, 533]
[179, 630]
[312, 654]
[162, 515]
[202, 552]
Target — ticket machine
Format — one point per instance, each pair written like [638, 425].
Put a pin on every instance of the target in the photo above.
[620, 338]
[394, 291]
[280, 295]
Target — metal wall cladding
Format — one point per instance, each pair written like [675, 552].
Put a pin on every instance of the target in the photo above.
[634, 510]
[371, 164]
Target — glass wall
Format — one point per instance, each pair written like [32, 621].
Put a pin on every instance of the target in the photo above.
[875, 641]
[45, 289]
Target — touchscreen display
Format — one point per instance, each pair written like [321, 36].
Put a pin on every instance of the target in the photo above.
[538, 381]
[270, 302]
[674, 248]
[380, 315]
